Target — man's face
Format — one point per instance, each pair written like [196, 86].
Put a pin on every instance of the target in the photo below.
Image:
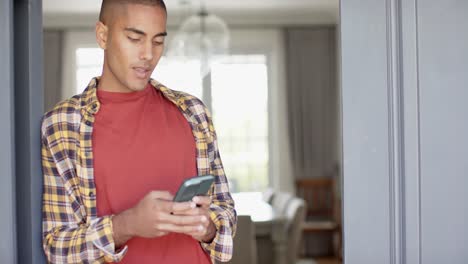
[135, 43]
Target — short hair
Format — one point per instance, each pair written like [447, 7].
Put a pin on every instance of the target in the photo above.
[106, 4]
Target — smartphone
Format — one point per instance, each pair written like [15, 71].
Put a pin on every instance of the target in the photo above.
[195, 186]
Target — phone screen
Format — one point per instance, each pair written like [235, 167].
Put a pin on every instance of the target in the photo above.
[195, 186]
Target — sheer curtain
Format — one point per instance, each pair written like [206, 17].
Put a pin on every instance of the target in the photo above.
[313, 101]
[313, 110]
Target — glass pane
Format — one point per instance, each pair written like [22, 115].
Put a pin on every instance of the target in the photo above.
[89, 63]
[84, 75]
[89, 57]
[179, 76]
[241, 80]
[240, 113]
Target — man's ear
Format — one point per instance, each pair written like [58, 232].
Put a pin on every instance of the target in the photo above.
[102, 33]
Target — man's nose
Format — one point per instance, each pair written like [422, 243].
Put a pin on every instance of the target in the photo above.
[147, 51]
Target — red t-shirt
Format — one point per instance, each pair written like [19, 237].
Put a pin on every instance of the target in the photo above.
[142, 142]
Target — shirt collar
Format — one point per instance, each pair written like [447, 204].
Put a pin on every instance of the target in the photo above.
[91, 104]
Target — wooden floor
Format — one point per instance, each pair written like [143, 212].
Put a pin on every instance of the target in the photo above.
[328, 261]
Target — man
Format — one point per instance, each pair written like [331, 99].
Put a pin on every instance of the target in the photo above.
[114, 155]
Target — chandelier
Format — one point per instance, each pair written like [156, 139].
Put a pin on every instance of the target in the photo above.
[202, 39]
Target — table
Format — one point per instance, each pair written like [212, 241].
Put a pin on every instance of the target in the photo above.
[267, 222]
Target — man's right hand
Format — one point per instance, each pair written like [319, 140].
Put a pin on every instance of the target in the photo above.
[152, 217]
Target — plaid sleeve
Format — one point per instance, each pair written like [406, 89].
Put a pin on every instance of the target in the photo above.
[67, 238]
[223, 213]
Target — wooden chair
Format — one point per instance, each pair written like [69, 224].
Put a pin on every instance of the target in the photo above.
[322, 213]
[245, 244]
[295, 215]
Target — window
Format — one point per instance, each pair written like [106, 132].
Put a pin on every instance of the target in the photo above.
[238, 97]
[240, 113]
[89, 63]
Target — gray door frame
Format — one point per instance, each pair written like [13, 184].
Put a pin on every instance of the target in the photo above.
[21, 108]
[28, 113]
[380, 132]
[7, 137]
[404, 65]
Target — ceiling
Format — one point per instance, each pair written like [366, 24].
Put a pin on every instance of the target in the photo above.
[92, 6]
[83, 13]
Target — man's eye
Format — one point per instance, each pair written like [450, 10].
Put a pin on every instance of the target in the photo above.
[158, 43]
[133, 39]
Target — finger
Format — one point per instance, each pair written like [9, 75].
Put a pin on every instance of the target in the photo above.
[193, 211]
[163, 205]
[204, 218]
[179, 207]
[202, 200]
[199, 235]
[162, 195]
[187, 229]
[161, 233]
[182, 220]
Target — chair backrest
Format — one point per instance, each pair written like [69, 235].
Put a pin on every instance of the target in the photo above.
[245, 245]
[268, 195]
[280, 201]
[319, 195]
[295, 215]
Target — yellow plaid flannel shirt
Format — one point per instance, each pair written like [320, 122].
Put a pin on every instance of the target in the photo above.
[72, 232]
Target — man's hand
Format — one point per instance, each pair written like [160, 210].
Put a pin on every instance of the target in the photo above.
[157, 215]
[150, 218]
[205, 229]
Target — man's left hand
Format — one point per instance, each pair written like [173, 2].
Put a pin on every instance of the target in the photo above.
[206, 230]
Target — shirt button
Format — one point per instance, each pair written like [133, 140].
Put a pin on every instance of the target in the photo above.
[88, 123]
[91, 194]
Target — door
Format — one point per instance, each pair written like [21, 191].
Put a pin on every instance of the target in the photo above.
[404, 90]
